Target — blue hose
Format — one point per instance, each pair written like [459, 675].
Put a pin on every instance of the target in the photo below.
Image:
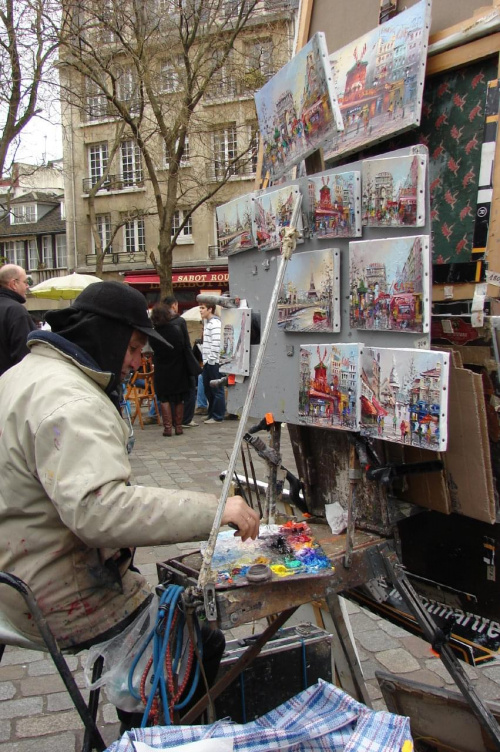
[160, 634]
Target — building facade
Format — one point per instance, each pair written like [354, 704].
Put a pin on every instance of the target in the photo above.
[121, 214]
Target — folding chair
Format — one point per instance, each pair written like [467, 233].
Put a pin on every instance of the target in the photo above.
[9, 635]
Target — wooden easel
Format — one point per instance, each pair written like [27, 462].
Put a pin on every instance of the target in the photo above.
[140, 395]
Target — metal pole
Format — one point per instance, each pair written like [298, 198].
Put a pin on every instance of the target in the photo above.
[286, 252]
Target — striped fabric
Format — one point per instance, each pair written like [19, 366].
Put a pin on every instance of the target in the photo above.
[323, 718]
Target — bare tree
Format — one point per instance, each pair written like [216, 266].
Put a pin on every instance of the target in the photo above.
[28, 42]
[169, 71]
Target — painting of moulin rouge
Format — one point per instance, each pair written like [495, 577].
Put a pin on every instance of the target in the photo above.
[334, 205]
[309, 299]
[329, 386]
[379, 80]
[235, 225]
[390, 284]
[404, 396]
[272, 213]
[297, 109]
[235, 341]
[394, 191]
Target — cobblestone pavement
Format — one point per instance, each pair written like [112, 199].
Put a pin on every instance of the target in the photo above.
[36, 714]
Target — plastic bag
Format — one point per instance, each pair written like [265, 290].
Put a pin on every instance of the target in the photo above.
[119, 653]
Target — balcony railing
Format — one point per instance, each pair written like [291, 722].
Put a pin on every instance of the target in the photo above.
[130, 257]
[112, 183]
[216, 172]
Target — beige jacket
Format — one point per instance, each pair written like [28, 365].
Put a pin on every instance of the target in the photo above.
[65, 507]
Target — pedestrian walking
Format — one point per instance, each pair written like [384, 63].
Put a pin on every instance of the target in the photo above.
[211, 353]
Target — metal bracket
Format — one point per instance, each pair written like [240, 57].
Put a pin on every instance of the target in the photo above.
[209, 602]
[398, 577]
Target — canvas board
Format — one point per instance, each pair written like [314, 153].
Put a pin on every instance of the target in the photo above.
[404, 396]
[329, 383]
[393, 192]
[235, 341]
[272, 213]
[379, 79]
[335, 204]
[235, 225]
[297, 109]
[309, 299]
[390, 284]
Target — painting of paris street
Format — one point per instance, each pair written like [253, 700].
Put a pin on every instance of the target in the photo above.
[297, 109]
[390, 284]
[329, 386]
[335, 205]
[272, 213]
[235, 225]
[404, 396]
[309, 299]
[235, 341]
[394, 191]
[379, 81]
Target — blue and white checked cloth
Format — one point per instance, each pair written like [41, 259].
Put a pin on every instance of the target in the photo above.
[323, 718]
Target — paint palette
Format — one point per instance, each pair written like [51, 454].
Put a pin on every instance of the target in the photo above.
[288, 550]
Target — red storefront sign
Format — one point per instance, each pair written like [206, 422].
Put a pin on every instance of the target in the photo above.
[186, 278]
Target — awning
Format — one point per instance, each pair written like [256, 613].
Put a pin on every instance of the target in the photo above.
[367, 407]
[187, 278]
[378, 407]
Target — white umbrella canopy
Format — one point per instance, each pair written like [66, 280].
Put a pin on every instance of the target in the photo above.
[193, 314]
[67, 287]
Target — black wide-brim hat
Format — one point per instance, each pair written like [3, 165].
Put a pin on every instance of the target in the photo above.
[113, 300]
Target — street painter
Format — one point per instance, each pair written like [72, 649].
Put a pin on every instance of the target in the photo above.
[70, 518]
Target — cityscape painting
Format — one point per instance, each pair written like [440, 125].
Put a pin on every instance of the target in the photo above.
[297, 109]
[235, 225]
[379, 79]
[390, 284]
[329, 386]
[334, 205]
[309, 299]
[403, 395]
[394, 191]
[235, 341]
[272, 213]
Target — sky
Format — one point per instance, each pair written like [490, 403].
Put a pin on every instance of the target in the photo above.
[41, 142]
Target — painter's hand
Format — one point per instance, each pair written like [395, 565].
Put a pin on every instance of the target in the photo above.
[242, 516]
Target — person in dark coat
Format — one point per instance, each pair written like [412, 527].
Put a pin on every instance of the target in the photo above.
[172, 380]
[15, 321]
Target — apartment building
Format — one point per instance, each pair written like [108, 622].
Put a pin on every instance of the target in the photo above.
[115, 171]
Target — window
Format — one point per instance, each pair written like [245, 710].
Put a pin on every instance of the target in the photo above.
[14, 252]
[98, 161]
[224, 84]
[225, 149]
[187, 231]
[97, 106]
[254, 146]
[103, 227]
[231, 8]
[128, 88]
[185, 156]
[32, 255]
[23, 214]
[135, 241]
[47, 256]
[169, 76]
[61, 252]
[131, 164]
[259, 62]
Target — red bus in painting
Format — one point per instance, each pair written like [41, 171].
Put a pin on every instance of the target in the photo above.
[403, 308]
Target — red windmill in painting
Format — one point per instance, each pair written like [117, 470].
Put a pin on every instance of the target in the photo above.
[320, 382]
